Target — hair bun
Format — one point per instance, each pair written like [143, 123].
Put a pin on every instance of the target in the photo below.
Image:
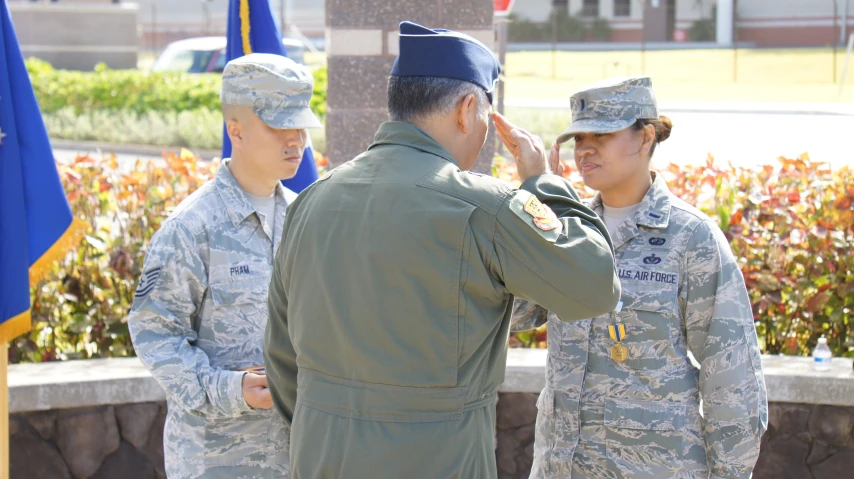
[664, 127]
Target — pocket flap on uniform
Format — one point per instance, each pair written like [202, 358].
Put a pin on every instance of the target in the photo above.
[546, 401]
[247, 291]
[648, 415]
[379, 402]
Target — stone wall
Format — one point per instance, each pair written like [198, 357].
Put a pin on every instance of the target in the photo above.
[803, 441]
[103, 419]
[126, 441]
[807, 442]
[104, 442]
[517, 414]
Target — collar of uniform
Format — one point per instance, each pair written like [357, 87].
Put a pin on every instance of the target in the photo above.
[237, 205]
[596, 204]
[407, 134]
[654, 211]
[284, 196]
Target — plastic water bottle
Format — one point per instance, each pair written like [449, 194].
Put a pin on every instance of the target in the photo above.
[822, 355]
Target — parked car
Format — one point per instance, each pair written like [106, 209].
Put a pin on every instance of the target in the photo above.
[207, 55]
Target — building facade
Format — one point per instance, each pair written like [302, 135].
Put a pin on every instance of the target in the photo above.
[765, 23]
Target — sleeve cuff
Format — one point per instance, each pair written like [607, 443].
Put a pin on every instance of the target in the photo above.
[231, 393]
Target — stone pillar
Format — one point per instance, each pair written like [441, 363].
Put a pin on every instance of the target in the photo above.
[361, 45]
[725, 21]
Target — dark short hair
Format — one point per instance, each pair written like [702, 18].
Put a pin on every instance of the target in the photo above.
[414, 97]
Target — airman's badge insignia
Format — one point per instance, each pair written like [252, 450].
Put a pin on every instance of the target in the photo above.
[652, 259]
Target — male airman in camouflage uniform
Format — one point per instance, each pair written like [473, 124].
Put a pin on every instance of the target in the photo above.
[201, 305]
[622, 398]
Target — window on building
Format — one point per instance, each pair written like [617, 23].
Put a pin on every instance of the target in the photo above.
[590, 8]
[622, 8]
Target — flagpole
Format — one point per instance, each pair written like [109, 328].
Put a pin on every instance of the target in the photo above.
[4, 411]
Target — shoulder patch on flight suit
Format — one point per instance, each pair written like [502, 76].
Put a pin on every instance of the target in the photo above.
[533, 212]
[544, 217]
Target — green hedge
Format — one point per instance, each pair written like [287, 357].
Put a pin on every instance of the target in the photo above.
[135, 91]
[199, 128]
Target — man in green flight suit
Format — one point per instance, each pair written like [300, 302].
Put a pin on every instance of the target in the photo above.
[391, 295]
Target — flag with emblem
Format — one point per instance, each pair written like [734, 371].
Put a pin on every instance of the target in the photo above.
[36, 223]
[251, 29]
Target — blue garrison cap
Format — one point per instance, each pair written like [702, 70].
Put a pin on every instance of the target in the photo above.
[446, 54]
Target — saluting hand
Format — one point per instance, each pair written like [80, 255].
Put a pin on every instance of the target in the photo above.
[527, 149]
[255, 391]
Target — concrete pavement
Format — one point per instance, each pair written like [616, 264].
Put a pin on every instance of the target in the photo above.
[740, 133]
[743, 133]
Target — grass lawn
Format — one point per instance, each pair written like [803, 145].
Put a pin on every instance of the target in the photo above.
[784, 75]
[787, 75]
[792, 75]
[546, 123]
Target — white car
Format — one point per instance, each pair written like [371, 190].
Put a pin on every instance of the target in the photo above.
[207, 55]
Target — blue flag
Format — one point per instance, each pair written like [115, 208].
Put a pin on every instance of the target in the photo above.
[251, 29]
[36, 224]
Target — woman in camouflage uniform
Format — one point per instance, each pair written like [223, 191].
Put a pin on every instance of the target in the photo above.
[623, 397]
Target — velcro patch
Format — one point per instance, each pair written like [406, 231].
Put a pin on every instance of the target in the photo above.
[147, 282]
[535, 213]
[544, 217]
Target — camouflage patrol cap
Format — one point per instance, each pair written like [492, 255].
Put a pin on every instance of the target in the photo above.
[276, 88]
[611, 105]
